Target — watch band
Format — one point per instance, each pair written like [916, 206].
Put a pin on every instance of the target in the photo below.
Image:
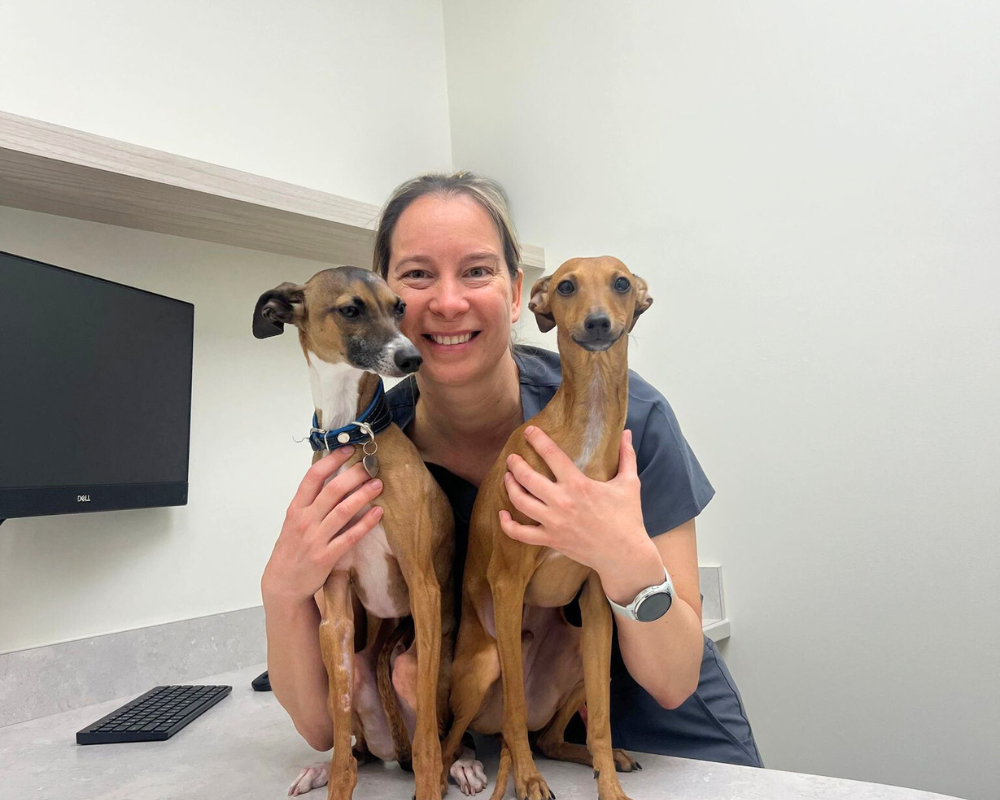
[664, 592]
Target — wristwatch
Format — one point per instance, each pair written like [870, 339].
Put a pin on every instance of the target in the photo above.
[650, 604]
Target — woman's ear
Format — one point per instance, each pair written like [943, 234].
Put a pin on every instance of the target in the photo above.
[539, 304]
[515, 295]
[642, 299]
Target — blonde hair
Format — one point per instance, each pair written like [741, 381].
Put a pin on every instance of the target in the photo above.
[485, 191]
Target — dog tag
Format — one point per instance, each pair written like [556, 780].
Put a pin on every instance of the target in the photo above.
[371, 465]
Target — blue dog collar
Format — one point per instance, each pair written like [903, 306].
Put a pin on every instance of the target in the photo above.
[376, 418]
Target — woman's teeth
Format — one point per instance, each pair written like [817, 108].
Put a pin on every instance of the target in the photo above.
[451, 339]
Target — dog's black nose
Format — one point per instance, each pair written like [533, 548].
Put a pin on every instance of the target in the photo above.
[408, 360]
[597, 323]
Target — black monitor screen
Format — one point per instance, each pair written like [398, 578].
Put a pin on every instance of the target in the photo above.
[96, 388]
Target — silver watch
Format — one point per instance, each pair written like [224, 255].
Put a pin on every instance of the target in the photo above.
[650, 604]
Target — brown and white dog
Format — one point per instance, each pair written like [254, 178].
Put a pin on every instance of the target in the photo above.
[348, 322]
[519, 665]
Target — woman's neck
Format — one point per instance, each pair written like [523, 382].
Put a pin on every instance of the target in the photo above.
[479, 413]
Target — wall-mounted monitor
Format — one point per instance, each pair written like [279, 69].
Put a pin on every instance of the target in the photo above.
[95, 393]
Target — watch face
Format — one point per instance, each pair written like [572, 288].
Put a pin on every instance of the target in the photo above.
[654, 607]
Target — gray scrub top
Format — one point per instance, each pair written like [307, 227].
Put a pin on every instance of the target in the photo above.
[711, 724]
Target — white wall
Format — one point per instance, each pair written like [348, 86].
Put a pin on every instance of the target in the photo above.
[813, 192]
[341, 96]
[350, 98]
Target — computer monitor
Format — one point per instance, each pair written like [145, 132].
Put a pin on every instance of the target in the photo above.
[95, 393]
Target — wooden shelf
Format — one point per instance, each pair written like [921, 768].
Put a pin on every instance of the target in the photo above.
[57, 170]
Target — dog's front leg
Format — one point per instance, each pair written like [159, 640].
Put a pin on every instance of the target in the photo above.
[508, 585]
[336, 637]
[425, 602]
[597, 632]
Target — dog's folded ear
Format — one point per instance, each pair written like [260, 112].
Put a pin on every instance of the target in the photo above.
[282, 305]
[539, 304]
[642, 299]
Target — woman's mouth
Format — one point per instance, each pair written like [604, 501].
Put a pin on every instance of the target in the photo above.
[452, 340]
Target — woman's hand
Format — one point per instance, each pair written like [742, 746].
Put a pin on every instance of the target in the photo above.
[318, 531]
[598, 524]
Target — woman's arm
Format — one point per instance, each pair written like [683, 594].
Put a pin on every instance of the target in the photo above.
[600, 524]
[663, 656]
[295, 667]
[317, 532]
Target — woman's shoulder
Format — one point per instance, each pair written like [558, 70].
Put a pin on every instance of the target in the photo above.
[402, 399]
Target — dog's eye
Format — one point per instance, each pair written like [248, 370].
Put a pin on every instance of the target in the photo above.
[350, 311]
[400, 308]
[622, 285]
[566, 287]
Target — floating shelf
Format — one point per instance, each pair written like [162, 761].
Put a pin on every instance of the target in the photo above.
[57, 170]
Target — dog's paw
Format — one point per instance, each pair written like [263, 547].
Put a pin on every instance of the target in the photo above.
[624, 762]
[312, 777]
[468, 773]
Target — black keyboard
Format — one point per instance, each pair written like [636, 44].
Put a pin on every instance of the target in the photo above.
[154, 716]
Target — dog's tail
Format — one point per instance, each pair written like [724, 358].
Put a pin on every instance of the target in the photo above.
[386, 693]
[503, 771]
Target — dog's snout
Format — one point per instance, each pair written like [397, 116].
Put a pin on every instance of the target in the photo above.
[408, 359]
[597, 323]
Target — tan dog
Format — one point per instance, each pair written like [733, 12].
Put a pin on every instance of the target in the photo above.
[522, 588]
[348, 328]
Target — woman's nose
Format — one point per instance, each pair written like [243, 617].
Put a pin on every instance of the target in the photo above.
[449, 299]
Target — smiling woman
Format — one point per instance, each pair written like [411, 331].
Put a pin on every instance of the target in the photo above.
[447, 246]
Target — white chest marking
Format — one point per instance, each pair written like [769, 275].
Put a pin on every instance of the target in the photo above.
[592, 436]
[335, 391]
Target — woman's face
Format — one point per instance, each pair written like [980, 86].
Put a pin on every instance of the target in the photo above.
[446, 262]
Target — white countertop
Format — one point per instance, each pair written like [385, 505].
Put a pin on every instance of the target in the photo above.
[245, 747]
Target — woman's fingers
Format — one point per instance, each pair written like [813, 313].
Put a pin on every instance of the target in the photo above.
[524, 502]
[351, 535]
[562, 465]
[533, 481]
[312, 483]
[346, 509]
[338, 488]
[529, 534]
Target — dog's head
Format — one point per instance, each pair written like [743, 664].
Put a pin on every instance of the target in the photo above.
[594, 300]
[344, 315]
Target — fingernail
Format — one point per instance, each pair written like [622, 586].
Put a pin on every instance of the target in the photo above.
[529, 430]
[376, 484]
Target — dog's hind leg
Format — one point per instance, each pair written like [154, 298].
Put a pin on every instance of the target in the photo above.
[336, 638]
[552, 742]
[597, 633]
[388, 697]
[475, 670]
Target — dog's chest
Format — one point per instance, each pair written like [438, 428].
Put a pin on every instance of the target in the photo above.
[375, 574]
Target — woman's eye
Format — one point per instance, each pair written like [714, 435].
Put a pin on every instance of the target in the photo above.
[622, 285]
[416, 274]
[479, 272]
[350, 311]
[566, 287]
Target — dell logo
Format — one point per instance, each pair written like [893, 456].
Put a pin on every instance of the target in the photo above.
[83, 498]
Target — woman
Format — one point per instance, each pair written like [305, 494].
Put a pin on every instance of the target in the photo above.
[447, 247]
